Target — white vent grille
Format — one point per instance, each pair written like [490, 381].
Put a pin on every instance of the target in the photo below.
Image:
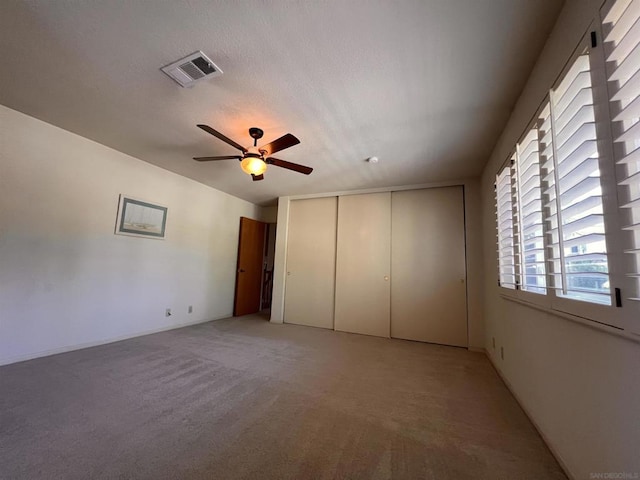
[191, 69]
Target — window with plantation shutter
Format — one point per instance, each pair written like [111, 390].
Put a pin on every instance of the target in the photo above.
[577, 250]
[504, 220]
[528, 206]
[621, 29]
[568, 203]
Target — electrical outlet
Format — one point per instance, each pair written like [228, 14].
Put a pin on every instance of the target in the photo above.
[190, 310]
[494, 342]
[502, 353]
[167, 312]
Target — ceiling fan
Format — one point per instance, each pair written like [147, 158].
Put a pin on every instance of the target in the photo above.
[252, 160]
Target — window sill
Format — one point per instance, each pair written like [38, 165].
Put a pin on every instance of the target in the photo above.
[619, 332]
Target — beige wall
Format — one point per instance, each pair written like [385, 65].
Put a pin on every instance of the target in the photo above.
[66, 280]
[270, 214]
[581, 386]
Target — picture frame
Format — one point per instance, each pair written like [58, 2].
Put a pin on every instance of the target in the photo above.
[138, 218]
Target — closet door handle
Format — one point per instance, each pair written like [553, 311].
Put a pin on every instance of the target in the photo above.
[386, 278]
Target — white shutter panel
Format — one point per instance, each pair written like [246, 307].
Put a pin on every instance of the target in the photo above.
[576, 233]
[532, 269]
[504, 219]
[547, 171]
[622, 38]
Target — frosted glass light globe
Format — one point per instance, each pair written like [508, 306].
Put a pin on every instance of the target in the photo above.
[253, 165]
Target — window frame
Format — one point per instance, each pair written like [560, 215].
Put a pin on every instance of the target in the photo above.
[527, 295]
[608, 314]
[498, 197]
[612, 315]
[541, 299]
[629, 314]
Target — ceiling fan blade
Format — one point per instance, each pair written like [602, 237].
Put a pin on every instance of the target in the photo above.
[281, 143]
[217, 134]
[224, 157]
[289, 166]
[257, 177]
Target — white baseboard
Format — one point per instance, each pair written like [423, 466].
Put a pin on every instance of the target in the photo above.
[80, 346]
[554, 452]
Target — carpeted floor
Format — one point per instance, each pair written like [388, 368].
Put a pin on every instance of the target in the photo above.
[246, 399]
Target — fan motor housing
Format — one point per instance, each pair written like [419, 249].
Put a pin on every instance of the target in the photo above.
[256, 133]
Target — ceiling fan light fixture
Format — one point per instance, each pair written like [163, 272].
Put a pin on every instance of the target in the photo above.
[253, 165]
[252, 160]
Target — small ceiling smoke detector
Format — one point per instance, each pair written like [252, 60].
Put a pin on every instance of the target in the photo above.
[372, 159]
[192, 69]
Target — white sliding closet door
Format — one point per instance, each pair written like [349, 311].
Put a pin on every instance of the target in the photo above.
[363, 264]
[428, 291]
[311, 260]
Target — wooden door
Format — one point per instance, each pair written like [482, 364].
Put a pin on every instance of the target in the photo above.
[311, 260]
[428, 291]
[363, 264]
[249, 267]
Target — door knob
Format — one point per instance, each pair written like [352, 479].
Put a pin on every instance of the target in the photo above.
[386, 278]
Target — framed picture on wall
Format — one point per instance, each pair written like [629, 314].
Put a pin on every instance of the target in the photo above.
[138, 218]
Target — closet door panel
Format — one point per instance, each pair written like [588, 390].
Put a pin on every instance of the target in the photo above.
[428, 291]
[311, 260]
[363, 264]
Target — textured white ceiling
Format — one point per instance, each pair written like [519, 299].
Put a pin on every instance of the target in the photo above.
[425, 85]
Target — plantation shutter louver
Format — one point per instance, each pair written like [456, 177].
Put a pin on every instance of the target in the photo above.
[547, 171]
[576, 234]
[621, 27]
[532, 269]
[504, 217]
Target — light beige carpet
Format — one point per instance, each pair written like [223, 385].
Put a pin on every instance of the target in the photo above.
[246, 399]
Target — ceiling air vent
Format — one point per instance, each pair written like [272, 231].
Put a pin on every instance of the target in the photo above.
[191, 69]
